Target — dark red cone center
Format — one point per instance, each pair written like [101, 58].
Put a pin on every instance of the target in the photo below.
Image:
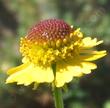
[51, 29]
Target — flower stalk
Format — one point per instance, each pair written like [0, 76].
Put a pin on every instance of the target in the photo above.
[57, 92]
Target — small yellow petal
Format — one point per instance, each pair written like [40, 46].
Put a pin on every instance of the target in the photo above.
[16, 69]
[62, 78]
[88, 42]
[31, 74]
[94, 55]
[87, 67]
[65, 73]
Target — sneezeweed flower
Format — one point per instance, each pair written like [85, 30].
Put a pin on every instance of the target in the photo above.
[54, 42]
[54, 52]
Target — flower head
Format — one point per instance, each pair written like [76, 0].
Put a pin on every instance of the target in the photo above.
[54, 42]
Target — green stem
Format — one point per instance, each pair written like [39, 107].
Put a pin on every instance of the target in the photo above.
[57, 92]
[58, 97]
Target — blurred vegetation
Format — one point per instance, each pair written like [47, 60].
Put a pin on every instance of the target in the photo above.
[17, 16]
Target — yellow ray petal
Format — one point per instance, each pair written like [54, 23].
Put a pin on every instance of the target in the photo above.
[62, 78]
[66, 73]
[87, 67]
[31, 74]
[94, 55]
[16, 69]
[88, 42]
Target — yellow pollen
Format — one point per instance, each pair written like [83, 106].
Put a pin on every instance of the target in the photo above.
[47, 53]
[58, 43]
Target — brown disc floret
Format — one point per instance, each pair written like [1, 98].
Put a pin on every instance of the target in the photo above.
[49, 30]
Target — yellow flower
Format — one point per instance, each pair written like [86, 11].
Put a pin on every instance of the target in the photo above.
[54, 42]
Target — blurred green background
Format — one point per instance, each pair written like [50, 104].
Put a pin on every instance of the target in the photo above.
[17, 16]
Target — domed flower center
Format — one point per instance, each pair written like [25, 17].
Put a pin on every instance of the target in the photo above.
[50, 41]
[49, 30]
